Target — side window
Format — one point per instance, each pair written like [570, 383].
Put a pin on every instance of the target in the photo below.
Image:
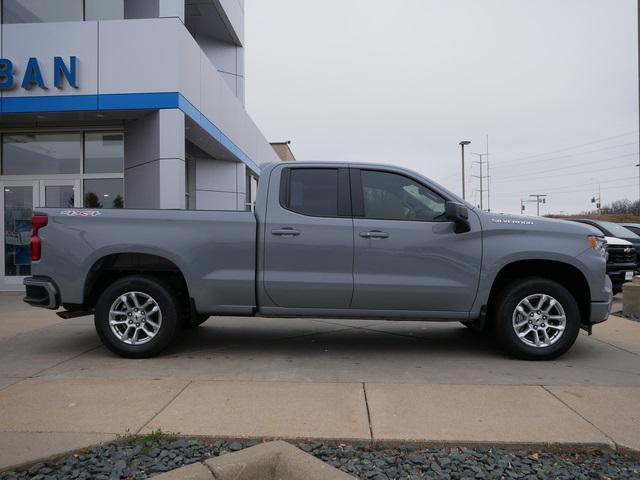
[311, 191]
[390, 196]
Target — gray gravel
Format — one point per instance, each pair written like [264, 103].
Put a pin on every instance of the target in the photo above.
[143, 459]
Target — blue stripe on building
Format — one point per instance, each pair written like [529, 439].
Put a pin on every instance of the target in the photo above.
[124, 101]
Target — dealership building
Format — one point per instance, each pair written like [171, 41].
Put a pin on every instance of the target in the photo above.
[121, 104]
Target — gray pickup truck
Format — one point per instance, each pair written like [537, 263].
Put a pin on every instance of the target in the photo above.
[326, 240]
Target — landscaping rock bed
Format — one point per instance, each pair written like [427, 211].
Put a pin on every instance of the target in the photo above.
[142, 457]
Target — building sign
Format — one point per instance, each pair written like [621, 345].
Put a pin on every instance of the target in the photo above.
[32, 76]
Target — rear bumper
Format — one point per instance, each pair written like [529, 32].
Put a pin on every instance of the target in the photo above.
[41, 292]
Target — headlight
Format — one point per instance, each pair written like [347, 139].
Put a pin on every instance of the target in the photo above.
[599, 244]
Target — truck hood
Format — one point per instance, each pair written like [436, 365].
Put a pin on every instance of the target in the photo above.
[524, 223]
[617, 241]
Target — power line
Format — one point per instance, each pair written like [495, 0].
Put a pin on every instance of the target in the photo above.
[569, 148]
[511, 164]
[533, 175]
[589, 189]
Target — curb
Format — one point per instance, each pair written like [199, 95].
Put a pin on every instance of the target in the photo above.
[269, 461]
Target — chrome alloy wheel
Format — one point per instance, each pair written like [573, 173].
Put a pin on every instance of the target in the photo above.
[539, 320]
[135, 318]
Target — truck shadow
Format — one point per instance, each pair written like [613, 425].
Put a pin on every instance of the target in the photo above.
[353, 338]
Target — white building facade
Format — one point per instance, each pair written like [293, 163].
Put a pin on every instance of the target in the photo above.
[121, 104]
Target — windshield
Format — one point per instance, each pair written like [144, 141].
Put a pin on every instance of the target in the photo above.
[618, 230]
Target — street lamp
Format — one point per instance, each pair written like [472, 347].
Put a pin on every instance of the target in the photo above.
[462, 144]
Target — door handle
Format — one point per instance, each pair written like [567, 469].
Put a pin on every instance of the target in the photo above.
[374, 234]
[285, 232]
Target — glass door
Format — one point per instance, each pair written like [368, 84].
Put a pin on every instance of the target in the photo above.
[17, 203]
[16, 208]
[60, 194]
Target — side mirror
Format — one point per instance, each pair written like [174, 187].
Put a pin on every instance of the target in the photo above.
[457, 213]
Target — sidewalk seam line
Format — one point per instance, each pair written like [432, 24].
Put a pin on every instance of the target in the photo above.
[366, 404]
[164, 407]
[63, 361]
[615, 444]
[616, 346]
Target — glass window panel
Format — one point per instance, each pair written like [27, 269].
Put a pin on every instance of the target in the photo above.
[104, 193]
[18, 209]
[40, 153]
[104, 9]
[314, 191]
[103, 152]
[58, 196]
[190, 183]
[388, 196]
[36, 11]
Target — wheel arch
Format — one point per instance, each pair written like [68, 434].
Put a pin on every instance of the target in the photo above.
[114, 265]
[565, 274]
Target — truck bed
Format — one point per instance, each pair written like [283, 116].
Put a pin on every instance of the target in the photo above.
[214, 250]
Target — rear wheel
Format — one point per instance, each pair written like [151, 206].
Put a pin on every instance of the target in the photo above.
[137, 316]
[536, 319]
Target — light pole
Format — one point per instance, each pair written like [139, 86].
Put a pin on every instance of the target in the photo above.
[462, 144]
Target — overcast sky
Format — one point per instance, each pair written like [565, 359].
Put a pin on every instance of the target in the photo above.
[554, 83]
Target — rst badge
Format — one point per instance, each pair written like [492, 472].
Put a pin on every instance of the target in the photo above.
[80, 213]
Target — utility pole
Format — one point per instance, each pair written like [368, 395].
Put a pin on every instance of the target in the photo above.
[539, 199]
[462, 144]
[481, 177]
[489, 177]
[598, 200]
[638, 165]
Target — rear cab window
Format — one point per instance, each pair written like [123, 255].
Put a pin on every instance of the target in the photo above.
[316, 192]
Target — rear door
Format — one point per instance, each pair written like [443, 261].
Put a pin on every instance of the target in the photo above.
[407, 255]
[308, 257]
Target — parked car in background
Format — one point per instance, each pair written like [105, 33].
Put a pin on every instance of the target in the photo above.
[633, 227]
[622, 247]
[621, 262]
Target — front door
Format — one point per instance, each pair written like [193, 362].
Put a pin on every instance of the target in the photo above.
[407, 256]
[308, 239]
[17, 202]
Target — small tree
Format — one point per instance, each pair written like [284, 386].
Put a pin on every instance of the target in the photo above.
[91, 201]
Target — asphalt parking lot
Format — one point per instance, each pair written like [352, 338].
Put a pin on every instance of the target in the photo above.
[307, 378]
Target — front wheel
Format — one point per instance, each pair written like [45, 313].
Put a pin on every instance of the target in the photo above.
[137, 316]
[536, 319]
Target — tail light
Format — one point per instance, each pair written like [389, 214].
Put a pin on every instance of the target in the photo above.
[37, 222]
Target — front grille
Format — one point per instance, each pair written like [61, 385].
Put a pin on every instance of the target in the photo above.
[620, 254]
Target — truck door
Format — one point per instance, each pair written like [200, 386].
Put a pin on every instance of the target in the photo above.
[308, 239]
[407, 255]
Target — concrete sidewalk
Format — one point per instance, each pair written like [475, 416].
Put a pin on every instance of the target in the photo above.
[293, 378]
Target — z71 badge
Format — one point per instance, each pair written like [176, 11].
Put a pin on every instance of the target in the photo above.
[80, 213]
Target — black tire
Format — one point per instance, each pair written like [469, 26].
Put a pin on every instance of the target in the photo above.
[194, 321]
[503, 314]
[467, 323]
[168, 305]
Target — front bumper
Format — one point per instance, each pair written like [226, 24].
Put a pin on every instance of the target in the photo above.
[600, 310]
[41, 292]
[616, 272]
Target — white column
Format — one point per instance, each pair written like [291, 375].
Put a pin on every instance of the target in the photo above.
[154, 161]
